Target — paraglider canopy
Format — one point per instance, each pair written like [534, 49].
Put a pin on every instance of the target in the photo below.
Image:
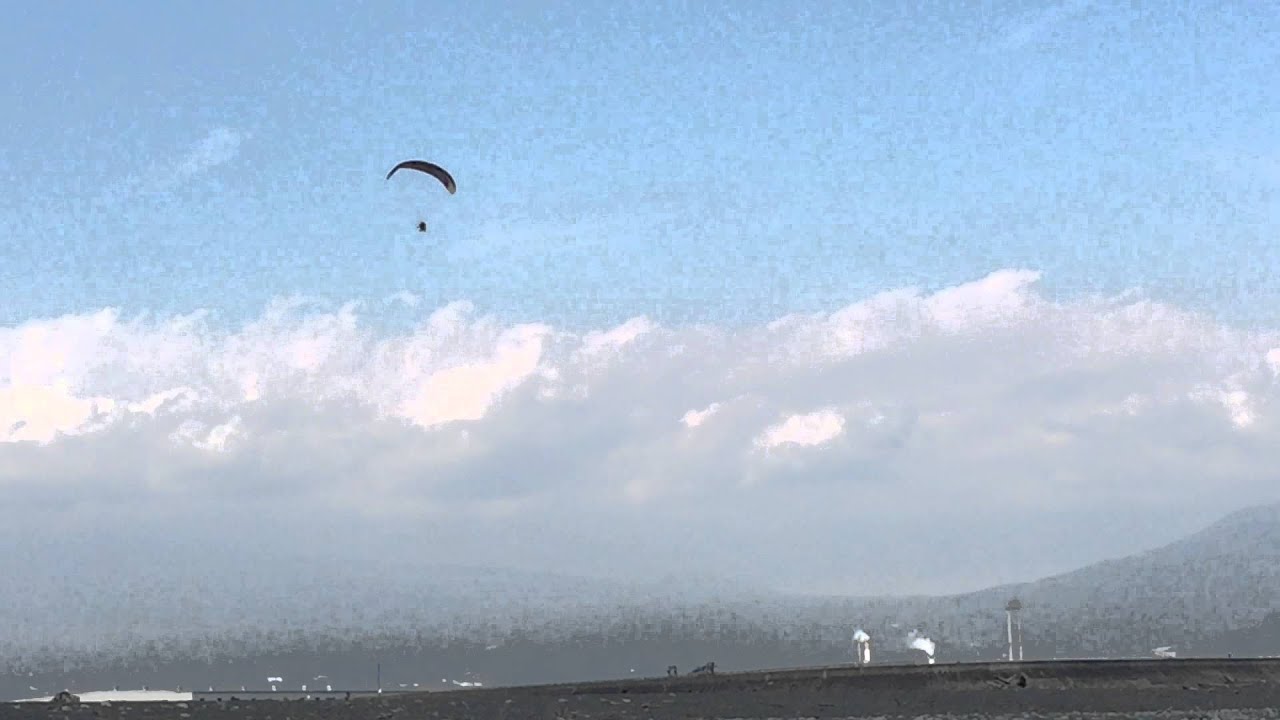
[431, 169]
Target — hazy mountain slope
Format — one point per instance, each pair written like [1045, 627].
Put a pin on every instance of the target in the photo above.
[1210, 592]
[1224, 577]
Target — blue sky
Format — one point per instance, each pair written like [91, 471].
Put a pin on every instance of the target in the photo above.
[689, 161]
[721, 163]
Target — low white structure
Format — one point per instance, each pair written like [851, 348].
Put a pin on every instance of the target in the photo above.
[922, 643]
[123, 696]
[861, 647]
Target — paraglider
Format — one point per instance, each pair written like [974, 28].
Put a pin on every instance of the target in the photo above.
[431, 169]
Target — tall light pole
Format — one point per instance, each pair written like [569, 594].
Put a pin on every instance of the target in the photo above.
[1014, 623]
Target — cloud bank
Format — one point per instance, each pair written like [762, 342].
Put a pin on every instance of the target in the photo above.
[909, 441]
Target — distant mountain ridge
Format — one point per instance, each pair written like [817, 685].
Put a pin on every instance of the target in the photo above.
[1187, 593]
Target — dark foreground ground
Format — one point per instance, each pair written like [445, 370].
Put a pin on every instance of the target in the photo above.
[1166, 689]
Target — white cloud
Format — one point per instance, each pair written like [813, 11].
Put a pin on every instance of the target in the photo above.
[466, 390]
[1038, 23]
[984, 406]
[404, 297]
[218, 147]
[595, 344]
[694, 418]
[203, 437]
[806, 430]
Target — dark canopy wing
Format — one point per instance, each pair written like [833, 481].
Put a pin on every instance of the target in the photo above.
[431, 169]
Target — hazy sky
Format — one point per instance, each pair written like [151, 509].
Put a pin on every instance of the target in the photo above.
[824, 296]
